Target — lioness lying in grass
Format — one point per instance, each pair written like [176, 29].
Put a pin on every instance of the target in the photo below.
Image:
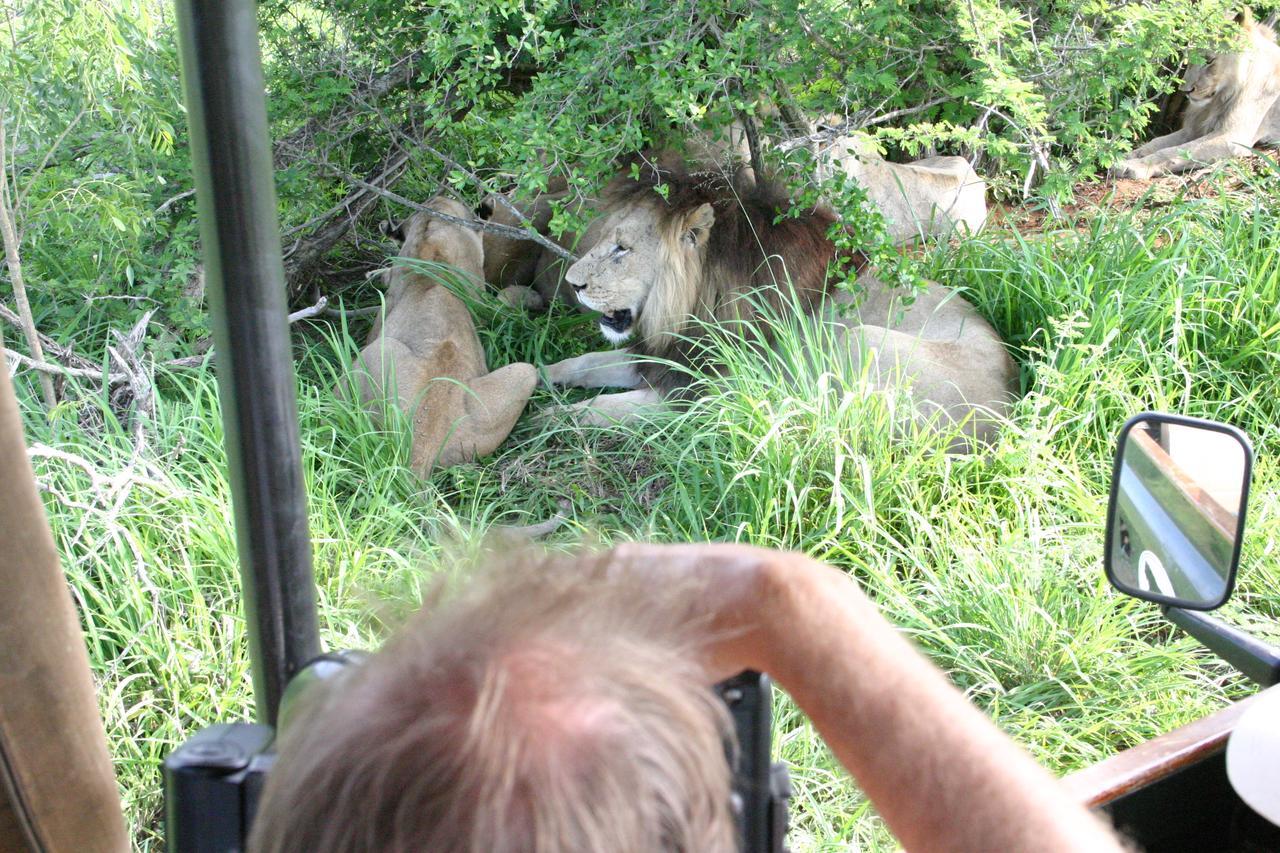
[1233, 104]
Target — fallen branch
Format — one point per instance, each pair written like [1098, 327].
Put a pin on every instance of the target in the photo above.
[174, 200]
[305, 253]
[310, 311]
[124, 375]
[47, 343]
[52, 369]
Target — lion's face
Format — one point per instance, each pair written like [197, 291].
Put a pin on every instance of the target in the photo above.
[618, 274]
[1225, 74]
[1224, 71]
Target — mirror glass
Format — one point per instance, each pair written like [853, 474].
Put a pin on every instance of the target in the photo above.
[1177, 510]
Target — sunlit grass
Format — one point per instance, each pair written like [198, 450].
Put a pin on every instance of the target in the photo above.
[990, 562]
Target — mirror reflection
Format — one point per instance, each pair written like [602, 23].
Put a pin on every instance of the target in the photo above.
[1178, 507]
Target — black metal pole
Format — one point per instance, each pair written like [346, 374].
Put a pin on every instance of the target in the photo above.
[231, 157]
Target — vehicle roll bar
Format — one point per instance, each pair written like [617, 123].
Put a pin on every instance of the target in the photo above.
[244, 273]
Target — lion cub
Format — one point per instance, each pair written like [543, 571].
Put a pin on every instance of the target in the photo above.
[1233, 103]
[425, 351]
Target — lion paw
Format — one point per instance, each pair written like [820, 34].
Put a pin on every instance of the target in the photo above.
[1132, 170]
[518, 296]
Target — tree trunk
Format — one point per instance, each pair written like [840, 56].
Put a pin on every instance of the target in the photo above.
[10, 234]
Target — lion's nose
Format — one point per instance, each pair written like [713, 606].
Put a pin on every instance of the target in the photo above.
[576, 276]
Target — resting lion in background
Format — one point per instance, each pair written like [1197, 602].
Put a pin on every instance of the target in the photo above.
[932, 197]
[425, 355]
[664, 267]
[1233, 103]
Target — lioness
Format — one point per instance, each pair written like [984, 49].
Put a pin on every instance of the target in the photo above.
[662, 265]
[925, 198]
[425, 354]
[1233, 103]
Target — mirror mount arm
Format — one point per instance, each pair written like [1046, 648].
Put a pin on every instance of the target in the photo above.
[1257, 660]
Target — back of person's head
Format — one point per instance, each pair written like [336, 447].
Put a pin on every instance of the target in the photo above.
[546, 705]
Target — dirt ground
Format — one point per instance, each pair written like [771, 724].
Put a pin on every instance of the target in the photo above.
[1123, 194]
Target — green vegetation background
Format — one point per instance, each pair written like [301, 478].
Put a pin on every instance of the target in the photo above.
[991, 563]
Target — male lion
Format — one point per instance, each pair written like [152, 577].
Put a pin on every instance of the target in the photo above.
[665, 266]
[1233, 103]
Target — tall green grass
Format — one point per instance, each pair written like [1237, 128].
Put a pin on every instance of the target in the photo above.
[990, 562]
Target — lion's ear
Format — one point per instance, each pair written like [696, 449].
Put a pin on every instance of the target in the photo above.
[1245, 17]
[392, 230]
[484, 210]
[697, 225]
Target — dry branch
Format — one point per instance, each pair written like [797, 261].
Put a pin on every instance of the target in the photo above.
[9, 233]
[59, 352]
[127, 370]
[306, 252]
[473, 224]
[830, 133]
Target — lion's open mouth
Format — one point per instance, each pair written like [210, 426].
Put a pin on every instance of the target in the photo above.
[617, 321]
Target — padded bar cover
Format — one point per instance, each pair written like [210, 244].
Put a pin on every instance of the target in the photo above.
[57, 787]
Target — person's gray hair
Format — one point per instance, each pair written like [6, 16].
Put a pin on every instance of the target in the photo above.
[546, 705]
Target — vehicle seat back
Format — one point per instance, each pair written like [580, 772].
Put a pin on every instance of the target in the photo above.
[57, 787]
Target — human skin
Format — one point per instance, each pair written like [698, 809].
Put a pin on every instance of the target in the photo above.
[940, 773]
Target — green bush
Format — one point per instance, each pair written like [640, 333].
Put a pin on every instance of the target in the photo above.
[503, 94]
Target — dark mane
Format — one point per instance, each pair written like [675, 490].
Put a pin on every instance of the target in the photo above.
[778, 263]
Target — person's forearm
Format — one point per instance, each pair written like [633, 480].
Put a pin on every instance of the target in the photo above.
[938, 771]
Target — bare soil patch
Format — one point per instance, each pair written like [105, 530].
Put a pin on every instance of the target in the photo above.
[1108, 194]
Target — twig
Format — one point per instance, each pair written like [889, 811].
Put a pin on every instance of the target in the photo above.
[353, 312]
[304, 254]
[473, 224]
[827, 134]
[905, 111]
[125, 374]
[531, 233]
[310, 311]
[174, 200]
[1039, 158]
[51, 369]
[61, 352]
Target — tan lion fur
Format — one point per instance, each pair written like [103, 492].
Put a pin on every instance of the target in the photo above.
[425, 355]
[707, 254]
[1233, 103]
[511, 266]
[938, 350]
[932, 197]
[696, 256]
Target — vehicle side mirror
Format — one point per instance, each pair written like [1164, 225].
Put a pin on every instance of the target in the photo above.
[1176, 516]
